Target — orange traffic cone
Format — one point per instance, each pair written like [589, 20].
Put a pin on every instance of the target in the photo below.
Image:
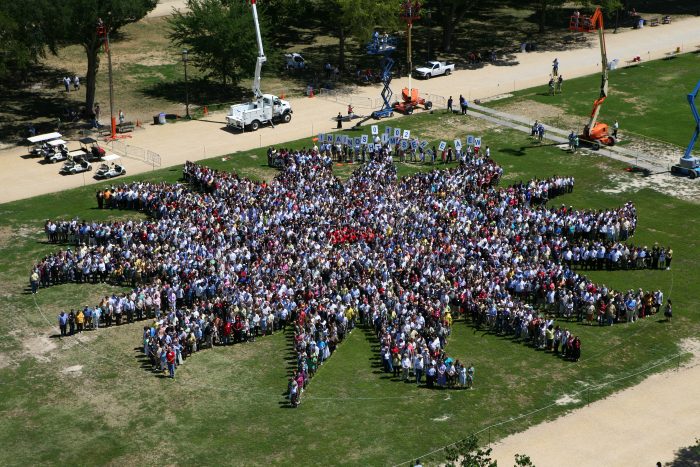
[282, 96]
[206, 111]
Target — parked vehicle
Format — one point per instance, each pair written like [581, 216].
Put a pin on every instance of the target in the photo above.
[89, 150]
[40, 143]
[110, 169]
[75, 165]
[434, 68]
[57, 151]
[265, 108]
[294, 61]
[251, 115]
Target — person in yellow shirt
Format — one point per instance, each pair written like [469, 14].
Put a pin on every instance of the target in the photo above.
[448, 318]
[80, 320]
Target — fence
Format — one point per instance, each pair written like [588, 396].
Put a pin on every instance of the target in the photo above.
[347, 96]
[134, 152]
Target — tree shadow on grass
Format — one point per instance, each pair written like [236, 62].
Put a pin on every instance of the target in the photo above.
[687, 457]
[201, 92]
[35, 100]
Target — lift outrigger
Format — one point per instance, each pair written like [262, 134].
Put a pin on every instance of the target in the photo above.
[596, 133]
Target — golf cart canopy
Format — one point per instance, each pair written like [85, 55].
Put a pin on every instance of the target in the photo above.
[56, 142]
[45, 137]
[110, 158]
[87, 141]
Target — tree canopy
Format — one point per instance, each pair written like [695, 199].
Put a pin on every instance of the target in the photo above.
[24, 36]
[77, 24]
[220, 36]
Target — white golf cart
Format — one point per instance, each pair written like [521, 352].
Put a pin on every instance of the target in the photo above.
[40, 143]
[57, 152]
[75, 165]
[111, 168]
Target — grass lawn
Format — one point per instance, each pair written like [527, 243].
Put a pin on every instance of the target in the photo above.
[648, 99]
[90, 401]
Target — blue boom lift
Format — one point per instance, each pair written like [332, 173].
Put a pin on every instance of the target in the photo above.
[384, 46]
[688, 164]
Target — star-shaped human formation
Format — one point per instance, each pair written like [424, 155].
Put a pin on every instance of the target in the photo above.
[223, 259]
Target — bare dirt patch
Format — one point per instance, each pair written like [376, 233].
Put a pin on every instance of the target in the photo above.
[534, 109]
[4, 361]
[691, 345]
[566, 399]
[442, 418]
[454, 127]
[5, 236]
[664, 183]
[42, 347]
[39, 347]
[75, 370]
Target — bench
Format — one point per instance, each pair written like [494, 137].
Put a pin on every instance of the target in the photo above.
[654, 22]
[666, 20]
[125, 127]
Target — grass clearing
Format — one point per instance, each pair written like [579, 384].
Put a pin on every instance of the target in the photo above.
[649, 100]
[230, 400]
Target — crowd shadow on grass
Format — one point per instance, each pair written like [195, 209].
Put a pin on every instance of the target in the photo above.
[145, 364]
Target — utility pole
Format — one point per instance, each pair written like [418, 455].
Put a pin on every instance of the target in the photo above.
[103, 32]
[410, 13]
[185, 59]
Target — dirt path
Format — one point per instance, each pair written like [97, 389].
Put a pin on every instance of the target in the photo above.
[196, 140]
[165, 8]
[639, 426]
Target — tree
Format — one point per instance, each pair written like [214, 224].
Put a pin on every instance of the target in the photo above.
[449, 14]
[523, 460]
[77, 24]
[24, 35]
[467, 453]
[357, 19]
[541, 8]
[220, 35]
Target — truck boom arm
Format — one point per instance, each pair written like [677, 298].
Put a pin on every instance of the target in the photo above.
[597, 23]
[261, 53]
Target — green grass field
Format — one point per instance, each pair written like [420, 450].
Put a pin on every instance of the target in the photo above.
[655, 108]
[226, 405]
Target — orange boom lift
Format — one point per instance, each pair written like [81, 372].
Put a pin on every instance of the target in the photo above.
[596, 133]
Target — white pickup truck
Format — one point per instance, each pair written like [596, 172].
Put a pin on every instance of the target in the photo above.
[434, 68]
[268, 109]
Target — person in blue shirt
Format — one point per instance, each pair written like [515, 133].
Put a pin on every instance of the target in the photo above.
[63, 323]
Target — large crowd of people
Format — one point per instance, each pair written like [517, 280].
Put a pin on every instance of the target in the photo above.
[221, 259]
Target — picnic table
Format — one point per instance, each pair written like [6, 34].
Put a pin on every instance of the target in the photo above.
[125, 127]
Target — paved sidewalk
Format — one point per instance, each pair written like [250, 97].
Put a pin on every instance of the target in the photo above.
[524, 124]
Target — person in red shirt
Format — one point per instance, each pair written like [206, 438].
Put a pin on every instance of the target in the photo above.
[170, 357]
